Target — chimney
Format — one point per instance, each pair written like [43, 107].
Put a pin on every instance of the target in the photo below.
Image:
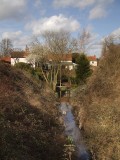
[27, 49]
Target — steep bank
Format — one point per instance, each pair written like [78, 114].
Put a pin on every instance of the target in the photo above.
[97, 108]
[29, 120]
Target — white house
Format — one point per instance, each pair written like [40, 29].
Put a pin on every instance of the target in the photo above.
[21, 56]
[93, 61]
[18, 56]
[65, 59]
[25, 56]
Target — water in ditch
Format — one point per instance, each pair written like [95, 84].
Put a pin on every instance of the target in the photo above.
[72, 131]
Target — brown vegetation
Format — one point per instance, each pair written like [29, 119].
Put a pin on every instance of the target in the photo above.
[29, 120]
[98, 107]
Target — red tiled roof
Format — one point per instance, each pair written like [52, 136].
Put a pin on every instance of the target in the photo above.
[60, 57]
[92, 58]
[6, 59]
[67, 57]
[19, 54]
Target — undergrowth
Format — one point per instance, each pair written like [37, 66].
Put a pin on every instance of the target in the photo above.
[29, 119]
[97, 107]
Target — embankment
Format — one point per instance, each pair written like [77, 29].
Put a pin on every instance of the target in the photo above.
[97, 106]
[29, 120]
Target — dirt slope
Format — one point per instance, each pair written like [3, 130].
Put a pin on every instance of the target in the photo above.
[98, 108]
[29, 124]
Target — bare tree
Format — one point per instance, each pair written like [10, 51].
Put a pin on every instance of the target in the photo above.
[6, 46]
[52, 50]
[109, 42]
[38, 57]
[85, 41]
[58, 42]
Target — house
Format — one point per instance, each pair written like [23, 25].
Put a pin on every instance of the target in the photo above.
[93, 61]
[6, 60]
[16, 56]
[64, 59]
[20, 56]
[24, 56]
[67, 61]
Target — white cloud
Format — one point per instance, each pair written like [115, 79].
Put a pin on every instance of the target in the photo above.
[53, 23]
[18, 38]
[116, 32]
[80, 3]
[114, 35]
[98, 8]
[97, 12]
[85, 3]
[12, 9]
[75, 3]
[22, 41]
[11, 35]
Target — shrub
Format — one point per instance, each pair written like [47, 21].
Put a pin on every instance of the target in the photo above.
[24, 66]
[27, 67]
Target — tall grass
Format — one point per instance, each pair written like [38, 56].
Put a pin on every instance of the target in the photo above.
[29, 120]
[100, 102]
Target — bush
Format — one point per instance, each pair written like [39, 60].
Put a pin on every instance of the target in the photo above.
[24, 66]
[27, 67]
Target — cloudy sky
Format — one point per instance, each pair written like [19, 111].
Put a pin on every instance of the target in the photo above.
[20, 20]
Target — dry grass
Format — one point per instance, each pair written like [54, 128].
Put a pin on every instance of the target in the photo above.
[29, 120]
[100, 101]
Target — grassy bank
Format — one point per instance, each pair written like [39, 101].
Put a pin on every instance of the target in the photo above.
[29, 121]
[97, 107]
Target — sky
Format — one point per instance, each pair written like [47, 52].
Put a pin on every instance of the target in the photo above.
[21, 20]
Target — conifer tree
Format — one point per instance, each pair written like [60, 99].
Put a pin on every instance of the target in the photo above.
[83, 70]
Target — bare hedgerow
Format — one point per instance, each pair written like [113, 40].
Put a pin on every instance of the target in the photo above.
[101, 100]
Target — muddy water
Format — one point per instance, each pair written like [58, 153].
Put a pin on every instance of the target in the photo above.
[72, 131]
